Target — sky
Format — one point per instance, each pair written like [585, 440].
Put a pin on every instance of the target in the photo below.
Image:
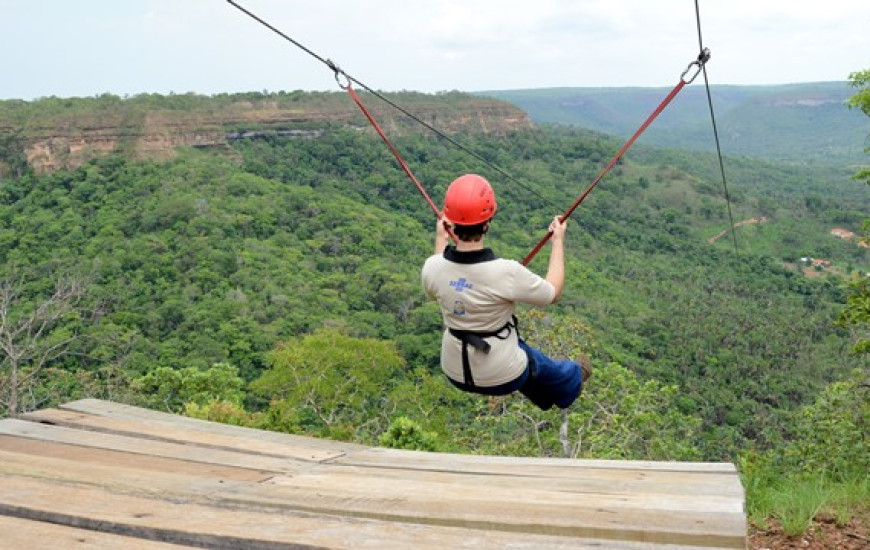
[84, 48]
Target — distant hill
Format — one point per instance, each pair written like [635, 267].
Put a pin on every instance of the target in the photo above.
[794, 122]
[53, 133]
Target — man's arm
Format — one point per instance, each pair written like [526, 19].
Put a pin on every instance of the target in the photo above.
[442, 237]
[556, 269]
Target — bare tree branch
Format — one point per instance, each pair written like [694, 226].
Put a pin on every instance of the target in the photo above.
[563, 434]
[536, 427]
[26, 329]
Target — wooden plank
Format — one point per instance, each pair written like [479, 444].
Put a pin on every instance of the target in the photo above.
[599, 481]
[677, 494]
[52, 460]
[684, 490]
[116, 410]
[507, 489]
[458, 462]
[153, 455]
[40, 535]
[599, 476]
[191, 481]
[361, 453]
[221, 526]
[172, 432]
[149, 447]
[323, 485]
[722, 477]
[435, 499]
[511, 508]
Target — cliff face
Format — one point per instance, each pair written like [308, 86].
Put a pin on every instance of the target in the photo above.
[56, 140]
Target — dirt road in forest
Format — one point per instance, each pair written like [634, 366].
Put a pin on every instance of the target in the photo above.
[725, 231]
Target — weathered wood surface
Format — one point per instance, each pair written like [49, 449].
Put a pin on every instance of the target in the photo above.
[93, 472]
[24, 534]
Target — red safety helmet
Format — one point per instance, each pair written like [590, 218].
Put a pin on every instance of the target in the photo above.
[469, 200]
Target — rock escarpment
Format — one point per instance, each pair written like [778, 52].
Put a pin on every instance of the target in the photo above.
[55, 133]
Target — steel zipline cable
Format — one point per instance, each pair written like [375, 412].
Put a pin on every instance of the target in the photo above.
[340, 73]
[715, 131]
[698, 65]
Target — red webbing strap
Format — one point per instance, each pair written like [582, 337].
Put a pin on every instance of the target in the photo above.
[610, 165]
[393, 150]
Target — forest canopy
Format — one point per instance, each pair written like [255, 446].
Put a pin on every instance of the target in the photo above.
[207, 279]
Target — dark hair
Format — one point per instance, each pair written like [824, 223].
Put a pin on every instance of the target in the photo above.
[471, 233]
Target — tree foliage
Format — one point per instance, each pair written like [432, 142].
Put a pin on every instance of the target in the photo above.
[289, 257]
[861, 100]
[832, 436]
[172, 390]
[629, 418]
[404, 433]
[856, 314]
[331, 383]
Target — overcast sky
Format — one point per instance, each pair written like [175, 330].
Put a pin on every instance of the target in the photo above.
[74, 48]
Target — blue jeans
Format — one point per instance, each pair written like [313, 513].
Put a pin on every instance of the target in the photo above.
[545, 382]
[551, 382]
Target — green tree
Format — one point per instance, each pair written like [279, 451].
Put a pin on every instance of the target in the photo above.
[833, 434]
[13, 159]
[836, 430]
[623, 417]
[173, 389]
[404, 433]
[856, 314]
[829, 448]
[330, 384]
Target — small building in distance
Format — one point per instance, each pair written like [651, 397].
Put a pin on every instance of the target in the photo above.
[841, 233]
[816, 263]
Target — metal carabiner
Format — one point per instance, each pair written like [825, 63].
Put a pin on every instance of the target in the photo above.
[339, 74]
[697, 66]
[699, 63]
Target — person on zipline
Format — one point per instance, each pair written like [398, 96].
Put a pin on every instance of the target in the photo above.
[481, 349]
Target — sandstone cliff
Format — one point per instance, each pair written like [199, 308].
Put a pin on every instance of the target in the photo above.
[53, 133]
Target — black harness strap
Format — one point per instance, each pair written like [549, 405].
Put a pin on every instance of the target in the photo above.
[478, 342]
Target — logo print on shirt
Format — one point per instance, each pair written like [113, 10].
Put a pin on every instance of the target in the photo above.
[458, 308]
[461, 284]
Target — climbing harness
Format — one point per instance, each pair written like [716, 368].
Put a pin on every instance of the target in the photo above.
[477, 340]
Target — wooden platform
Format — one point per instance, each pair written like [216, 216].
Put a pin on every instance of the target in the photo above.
[94, 474]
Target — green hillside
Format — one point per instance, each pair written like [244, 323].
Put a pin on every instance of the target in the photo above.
[198, 269]
[796, 122]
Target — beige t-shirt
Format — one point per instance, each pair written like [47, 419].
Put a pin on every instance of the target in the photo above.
[478, 291]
